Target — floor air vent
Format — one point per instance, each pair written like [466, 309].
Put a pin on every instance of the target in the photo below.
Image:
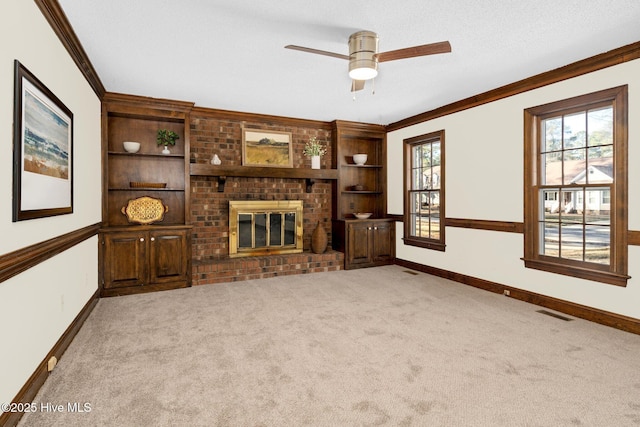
[557, 316]
[410, 272]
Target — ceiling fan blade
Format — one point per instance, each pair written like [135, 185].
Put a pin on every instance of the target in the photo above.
[411, 52]
[357, 85]
[316, 51]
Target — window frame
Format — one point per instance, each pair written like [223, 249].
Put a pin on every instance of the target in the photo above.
[409, 144]
[614, 273]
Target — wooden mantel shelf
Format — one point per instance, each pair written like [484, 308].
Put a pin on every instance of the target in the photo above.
[222, 172]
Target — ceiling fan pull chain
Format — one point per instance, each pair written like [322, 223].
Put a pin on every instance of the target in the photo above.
[373, 86]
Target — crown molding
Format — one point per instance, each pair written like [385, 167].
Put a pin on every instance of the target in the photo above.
[60, 24]
[594, 63]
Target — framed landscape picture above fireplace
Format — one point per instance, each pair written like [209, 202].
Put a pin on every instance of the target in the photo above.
[266, 148]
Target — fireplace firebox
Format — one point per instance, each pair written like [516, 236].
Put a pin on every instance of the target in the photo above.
[265, 227]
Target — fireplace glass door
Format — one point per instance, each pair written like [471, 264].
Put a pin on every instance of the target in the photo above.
[265, 227]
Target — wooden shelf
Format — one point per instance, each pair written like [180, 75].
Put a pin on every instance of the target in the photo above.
[349, 165]
[222, 172]
[361, 192]
[202, 169]
[146, 189]
[124, 153]
[370, 178]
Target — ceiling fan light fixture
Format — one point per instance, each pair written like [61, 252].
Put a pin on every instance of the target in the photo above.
[363, 47]
[363, 73]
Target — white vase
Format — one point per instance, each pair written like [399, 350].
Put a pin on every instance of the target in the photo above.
[216, 160]
[315, 162]
[166, 150]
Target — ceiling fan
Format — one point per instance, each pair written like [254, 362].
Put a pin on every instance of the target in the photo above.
[364, 56]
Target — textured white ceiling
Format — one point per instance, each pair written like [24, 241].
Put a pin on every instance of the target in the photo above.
[229, 54]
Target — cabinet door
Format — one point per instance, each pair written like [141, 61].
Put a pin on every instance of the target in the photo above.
[168, 256]
[383, 242]
[358, 244]
[125, 259]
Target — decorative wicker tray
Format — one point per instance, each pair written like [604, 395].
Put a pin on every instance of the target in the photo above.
[135, 184]
[145, 210]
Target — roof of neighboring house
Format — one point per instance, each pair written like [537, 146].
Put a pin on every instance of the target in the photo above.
[576, 170]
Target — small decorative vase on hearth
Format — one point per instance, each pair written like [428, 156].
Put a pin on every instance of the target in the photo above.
[319, 240]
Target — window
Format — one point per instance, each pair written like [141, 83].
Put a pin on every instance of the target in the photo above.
[576, 187]
[424, 191]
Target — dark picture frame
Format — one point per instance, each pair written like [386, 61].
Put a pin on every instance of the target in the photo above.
[42, 150]
[267, 148]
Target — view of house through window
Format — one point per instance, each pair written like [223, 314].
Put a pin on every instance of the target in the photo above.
[576, 186]
[424, 196]
[576, 161]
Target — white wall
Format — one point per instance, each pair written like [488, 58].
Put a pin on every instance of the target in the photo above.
[484, 179]
[38, 305]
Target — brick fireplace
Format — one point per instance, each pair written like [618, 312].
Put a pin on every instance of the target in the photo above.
[211, 135]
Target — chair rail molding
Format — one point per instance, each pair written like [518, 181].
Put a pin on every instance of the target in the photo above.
[16, 262]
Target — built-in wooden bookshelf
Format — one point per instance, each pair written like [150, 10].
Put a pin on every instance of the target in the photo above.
[133, 257]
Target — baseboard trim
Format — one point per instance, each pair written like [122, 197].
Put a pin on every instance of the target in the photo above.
[625, 323]
[28, 392]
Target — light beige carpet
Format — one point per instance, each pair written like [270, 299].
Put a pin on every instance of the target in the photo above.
[364, 347]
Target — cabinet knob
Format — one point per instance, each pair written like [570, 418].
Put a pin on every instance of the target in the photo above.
[142, 239]
[153, 239]
[369, 228]
[375, 228]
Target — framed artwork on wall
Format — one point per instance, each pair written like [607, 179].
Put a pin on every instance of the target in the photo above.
[42, 150]
[266, 148]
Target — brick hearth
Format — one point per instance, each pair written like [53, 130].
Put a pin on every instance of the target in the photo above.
[249, 268]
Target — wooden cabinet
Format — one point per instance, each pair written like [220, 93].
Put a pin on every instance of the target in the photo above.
[124, 260]
[361, 188]
[384, 244]
[169, 256]
[144, 259]
[133, 257]
[365, 243]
